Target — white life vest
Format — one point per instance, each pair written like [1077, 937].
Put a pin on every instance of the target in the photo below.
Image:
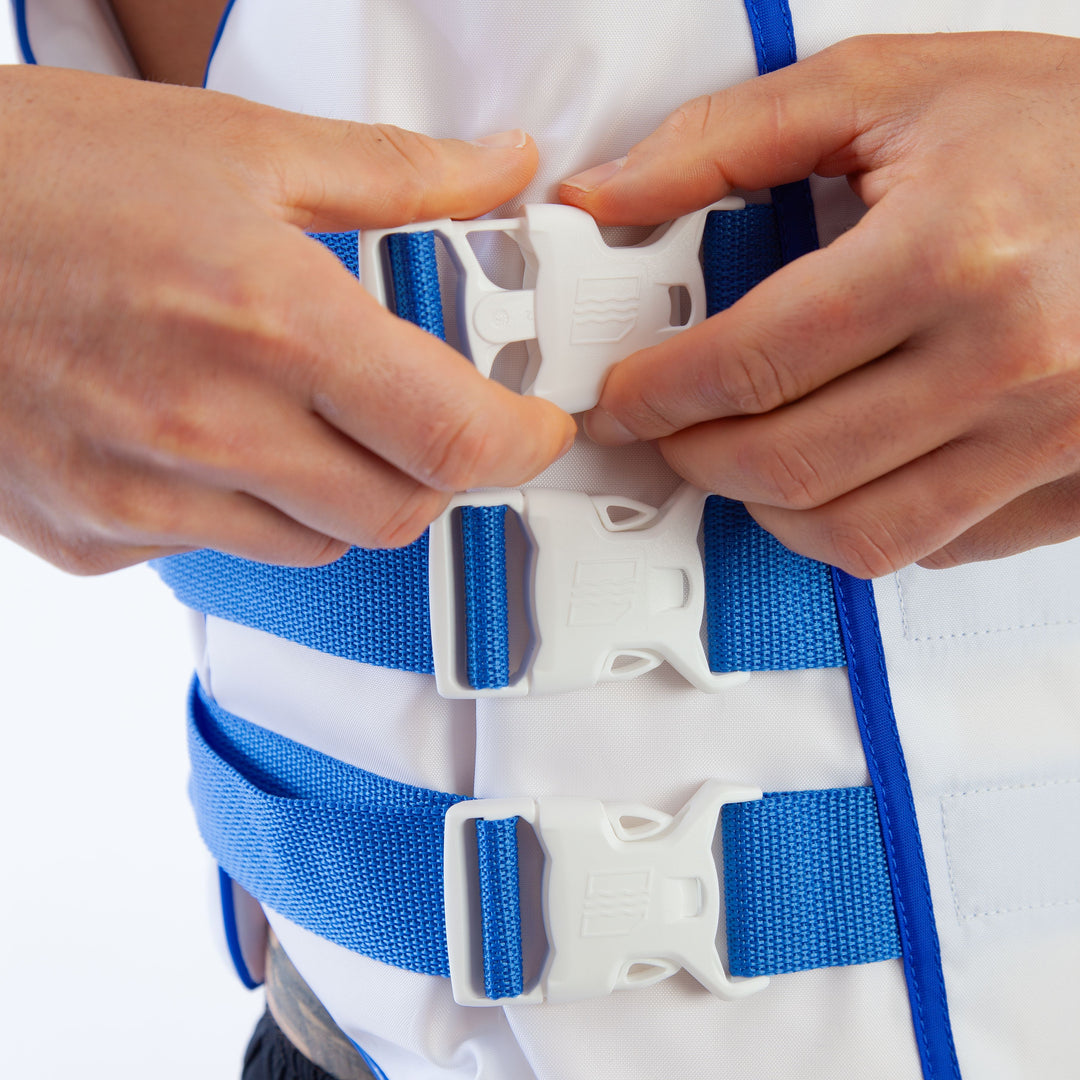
[984, 660]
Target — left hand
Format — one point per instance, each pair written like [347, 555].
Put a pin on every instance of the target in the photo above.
[911, 392]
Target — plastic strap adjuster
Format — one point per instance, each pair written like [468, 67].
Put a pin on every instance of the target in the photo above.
[583, 305]
[631, 895]
[613, 588]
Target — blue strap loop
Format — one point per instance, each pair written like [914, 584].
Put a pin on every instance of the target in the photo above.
[357, 859]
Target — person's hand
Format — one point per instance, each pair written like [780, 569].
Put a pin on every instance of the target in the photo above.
[912, 392]
[181, 367]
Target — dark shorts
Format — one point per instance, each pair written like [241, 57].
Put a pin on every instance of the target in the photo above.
[270, 1056]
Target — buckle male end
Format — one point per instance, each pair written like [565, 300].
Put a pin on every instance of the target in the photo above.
[631, 895]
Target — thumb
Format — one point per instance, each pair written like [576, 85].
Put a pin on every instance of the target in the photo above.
[768, 131]
[336, 175]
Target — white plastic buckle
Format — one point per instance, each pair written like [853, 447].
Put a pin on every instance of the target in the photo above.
[631, 895]
[613, 588]
[583, 305]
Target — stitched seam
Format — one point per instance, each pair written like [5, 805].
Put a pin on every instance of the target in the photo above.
[1027, 907]
[905, 628]
[886, 827]
[1012, 787]
[960, 916]
[923, 876]
[997, 630]
[949, 863]
[789, 27]
[759, 37]
[894, 738]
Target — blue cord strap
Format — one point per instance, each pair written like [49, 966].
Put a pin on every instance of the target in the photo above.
[357, 859]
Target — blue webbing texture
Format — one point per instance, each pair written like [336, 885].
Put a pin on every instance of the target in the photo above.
[349, 855]
[791, 625]
[487, 628]
[739, 249]
[415, 278]
[500, 907]
[805, 882]
[899, 825]
[372, 606]
[357, 859]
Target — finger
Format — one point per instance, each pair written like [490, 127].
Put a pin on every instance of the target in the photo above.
[338, 175]
[904, 516]
[420, 405]
[859, 427]
[326, 482]
[135, 514]
[764, 132]
[813, 320]
[1048, 515]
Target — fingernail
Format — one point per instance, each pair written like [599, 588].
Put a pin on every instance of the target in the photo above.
[604, 429]
[503, 140]
[591, 179]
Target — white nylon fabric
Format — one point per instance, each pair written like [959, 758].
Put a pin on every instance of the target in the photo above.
[608, 73]
[984, 661]
[80, 34]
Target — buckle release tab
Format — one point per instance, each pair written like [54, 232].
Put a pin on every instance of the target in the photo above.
[631, 895]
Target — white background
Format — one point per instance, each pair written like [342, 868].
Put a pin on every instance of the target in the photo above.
[108, 962]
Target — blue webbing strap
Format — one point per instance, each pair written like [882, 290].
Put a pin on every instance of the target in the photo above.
[372, 605]
[357, 859]
[487, 628]
[805, 882]
[774, 42]
[500, 907]
[766, 608]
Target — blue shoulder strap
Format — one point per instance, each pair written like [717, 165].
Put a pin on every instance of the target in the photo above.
[774, 42]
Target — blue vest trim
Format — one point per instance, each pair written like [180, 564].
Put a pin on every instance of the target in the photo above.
[22, 33]
[774, 46]
[217, 39]
[774, 43]
[232, 935]
[900, 827]
[371, 1063]
[357, 859]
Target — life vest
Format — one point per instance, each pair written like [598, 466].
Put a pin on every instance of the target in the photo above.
[982, 662]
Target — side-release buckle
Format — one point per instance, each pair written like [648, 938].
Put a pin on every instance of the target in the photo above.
[613, 588]
[631, 895]
[583, 304]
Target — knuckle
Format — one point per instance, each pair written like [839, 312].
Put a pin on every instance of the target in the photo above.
[867, 547]
[315, 550]
[413, 158]
[408, 518]
[693, 118]
[789, 475]
[457, 453]
[746, 379]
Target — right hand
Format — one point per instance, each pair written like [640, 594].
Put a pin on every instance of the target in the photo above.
[180, 367]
